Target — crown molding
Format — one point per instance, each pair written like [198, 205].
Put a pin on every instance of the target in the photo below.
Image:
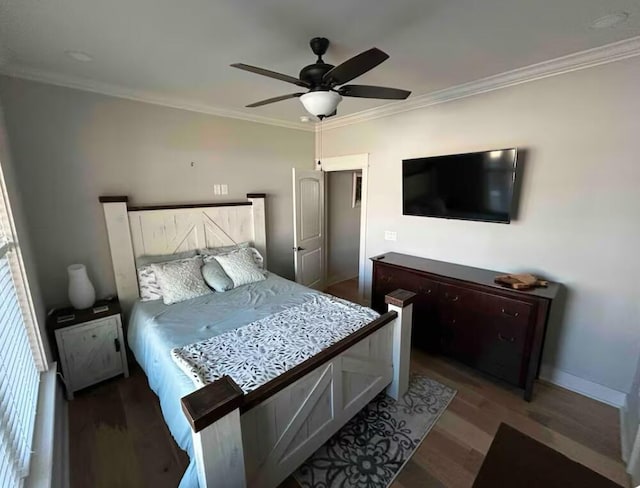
[49, 77]
[573, 62]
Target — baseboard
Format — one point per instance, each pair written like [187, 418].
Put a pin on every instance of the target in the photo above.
[625, 442]
[587, 388]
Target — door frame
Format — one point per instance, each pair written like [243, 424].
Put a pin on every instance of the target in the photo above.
[350, 162]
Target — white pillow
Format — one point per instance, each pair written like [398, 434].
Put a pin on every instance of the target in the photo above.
[240, 267]
[180, 280]
[219, 251]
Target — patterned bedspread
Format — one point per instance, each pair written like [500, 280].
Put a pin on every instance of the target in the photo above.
[258, 352]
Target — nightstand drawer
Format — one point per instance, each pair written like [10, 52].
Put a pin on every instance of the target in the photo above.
[91, 352]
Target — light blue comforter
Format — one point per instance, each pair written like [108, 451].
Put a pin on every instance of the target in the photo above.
[155, 329]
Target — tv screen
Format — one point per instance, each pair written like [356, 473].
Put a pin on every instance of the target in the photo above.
[473, 186]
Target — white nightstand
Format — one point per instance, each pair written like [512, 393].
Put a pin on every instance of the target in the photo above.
[90, 344]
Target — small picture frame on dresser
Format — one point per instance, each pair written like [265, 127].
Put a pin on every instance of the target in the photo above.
[89, 344]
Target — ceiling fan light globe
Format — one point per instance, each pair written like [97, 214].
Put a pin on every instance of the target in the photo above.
[321, 103]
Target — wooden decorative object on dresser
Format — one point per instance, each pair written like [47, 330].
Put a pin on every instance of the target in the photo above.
[460, 312]
[89, 344]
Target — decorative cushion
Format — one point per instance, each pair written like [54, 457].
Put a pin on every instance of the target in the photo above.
[180, 280]
[147, 283]
[215, 276]
[218, 251]
[240, 267]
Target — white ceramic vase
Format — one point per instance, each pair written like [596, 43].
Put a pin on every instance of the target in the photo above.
[82, 294]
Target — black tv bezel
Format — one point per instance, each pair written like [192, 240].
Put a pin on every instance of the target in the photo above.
[514, 182]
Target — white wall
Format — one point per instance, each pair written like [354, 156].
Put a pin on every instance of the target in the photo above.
[579, 218]
[343, 228]
[71, 146]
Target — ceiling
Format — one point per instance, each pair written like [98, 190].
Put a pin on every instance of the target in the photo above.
[181, 50]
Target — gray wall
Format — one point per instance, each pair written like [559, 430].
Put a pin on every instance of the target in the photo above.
[343, 228]
[71, 146]
[23, 238]
[579, 210]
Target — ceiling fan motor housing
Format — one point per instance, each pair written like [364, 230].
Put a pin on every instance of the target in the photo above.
[313, 74]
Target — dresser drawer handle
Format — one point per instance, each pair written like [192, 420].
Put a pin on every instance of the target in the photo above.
[456, 298]
[506, 339]
[116, 344]
[426, 292]
[516, 314]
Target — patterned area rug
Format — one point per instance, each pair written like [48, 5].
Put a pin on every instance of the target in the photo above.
[370, 450]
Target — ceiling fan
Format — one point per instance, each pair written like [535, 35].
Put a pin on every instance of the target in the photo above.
[322, 80]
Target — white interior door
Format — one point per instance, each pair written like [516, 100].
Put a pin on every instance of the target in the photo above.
[308, 227]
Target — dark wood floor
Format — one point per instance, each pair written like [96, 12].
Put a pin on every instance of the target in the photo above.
[118, 437]
[347, 289]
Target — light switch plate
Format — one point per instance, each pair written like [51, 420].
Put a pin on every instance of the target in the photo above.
[224, 189]
[216, 189]
[390, 235]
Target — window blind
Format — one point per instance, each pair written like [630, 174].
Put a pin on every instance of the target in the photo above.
[19, 378]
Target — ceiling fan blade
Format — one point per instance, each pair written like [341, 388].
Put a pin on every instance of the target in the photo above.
[274, 99]
[354, 67]
[270, 74]
[368, 91]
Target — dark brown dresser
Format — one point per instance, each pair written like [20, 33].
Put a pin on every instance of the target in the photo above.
[460, 312]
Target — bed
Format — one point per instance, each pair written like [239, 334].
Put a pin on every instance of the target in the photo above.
[236, 438]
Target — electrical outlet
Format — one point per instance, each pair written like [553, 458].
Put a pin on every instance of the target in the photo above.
[224, 189]
[390, 235]
[216, 189]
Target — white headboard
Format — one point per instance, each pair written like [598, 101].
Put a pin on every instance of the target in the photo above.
[169, 229]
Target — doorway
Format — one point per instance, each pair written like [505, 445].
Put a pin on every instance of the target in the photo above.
[310, 219]
[343, 190]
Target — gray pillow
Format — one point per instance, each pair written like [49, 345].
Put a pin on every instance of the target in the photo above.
[215, 276]
[163, 258]
[216, 251]
[148, 286]
[180, 280]
[219, 251]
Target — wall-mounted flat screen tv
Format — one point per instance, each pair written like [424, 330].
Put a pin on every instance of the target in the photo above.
[473, 186]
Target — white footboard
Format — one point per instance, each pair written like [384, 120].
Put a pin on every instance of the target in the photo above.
[260, 438]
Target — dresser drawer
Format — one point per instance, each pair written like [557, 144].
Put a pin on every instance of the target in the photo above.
[501, 349]
[457, 297]
[507, 309]
[388, 279]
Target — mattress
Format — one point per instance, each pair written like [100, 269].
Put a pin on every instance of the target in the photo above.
[154, 329]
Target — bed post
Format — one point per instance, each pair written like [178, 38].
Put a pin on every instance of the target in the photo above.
[259, 223]
[401, 302]
[214, 414]
[121, 247]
